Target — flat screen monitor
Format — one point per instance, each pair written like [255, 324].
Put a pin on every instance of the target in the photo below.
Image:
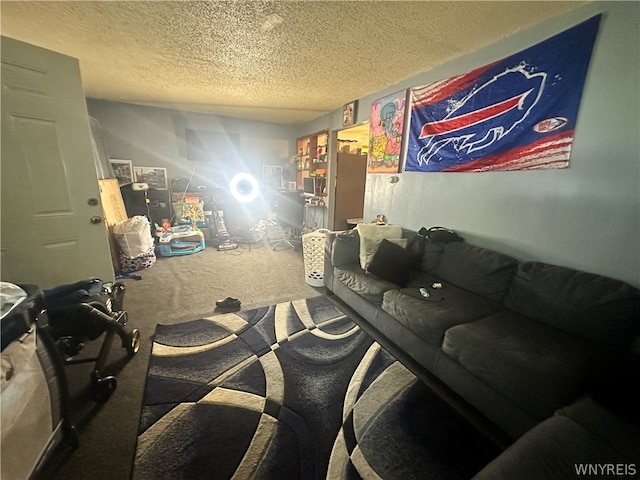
[309, 186]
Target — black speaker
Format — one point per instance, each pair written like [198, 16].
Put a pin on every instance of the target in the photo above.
[135, 201]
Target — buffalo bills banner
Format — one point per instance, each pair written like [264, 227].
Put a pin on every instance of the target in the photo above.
[516, 114]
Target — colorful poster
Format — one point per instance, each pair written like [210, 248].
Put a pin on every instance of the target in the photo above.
[516, 114]
[386, 127]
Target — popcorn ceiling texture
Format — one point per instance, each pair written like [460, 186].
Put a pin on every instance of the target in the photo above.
[217, 57]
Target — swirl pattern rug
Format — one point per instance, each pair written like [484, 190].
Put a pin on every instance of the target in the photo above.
[292, 391]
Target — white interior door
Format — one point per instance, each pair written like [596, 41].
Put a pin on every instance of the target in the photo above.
[52, 221]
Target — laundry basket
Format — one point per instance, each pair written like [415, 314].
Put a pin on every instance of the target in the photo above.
[313, 253]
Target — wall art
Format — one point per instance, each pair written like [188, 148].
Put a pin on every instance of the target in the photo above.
[349, 112]
[123, 170]
[386, 131]
[155, 177]
[272, 175]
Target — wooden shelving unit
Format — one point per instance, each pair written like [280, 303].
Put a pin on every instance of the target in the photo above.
[312, 157]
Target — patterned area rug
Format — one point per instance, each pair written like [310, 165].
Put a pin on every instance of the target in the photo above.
[292, 391]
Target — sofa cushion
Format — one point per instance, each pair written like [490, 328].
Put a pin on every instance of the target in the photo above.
[537, 367]
[427, 251]
[429, 318]
[431, 254]
[594, 307]
[477, 269]
[346, 248]
[370, 237]
[393, 263]
[365, 284]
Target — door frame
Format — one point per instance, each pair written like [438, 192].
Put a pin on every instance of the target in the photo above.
[332, 168]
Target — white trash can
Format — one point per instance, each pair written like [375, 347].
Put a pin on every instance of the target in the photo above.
[313, 253]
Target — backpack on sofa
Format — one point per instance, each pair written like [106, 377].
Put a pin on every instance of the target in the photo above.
[440, 234]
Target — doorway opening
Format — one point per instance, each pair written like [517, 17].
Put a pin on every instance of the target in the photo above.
[350, 176]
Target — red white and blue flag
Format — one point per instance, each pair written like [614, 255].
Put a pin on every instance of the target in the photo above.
[515, 114]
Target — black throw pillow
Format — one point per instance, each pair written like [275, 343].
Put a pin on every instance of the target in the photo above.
[393, 263]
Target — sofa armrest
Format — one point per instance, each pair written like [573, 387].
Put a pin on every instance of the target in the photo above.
[579, 435]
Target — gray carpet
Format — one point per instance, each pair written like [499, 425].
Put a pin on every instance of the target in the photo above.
[174, 290]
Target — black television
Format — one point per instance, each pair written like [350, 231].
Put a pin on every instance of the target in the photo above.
[205, 146]
[309, 186]
[290, 209]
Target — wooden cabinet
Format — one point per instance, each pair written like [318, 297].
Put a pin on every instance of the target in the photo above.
[312, 157]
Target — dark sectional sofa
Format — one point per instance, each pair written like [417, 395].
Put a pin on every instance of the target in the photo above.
[547, 354]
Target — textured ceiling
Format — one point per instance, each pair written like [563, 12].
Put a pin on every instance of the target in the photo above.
[234, 58]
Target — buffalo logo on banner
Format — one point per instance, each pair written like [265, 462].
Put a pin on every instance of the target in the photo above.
[516, 114]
